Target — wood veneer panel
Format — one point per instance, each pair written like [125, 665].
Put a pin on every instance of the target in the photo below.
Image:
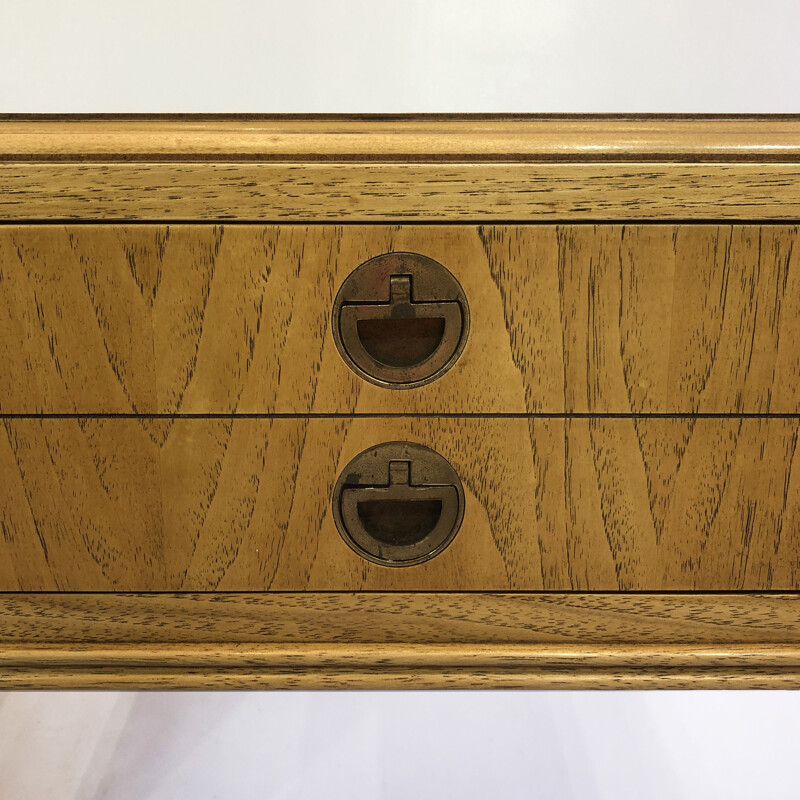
[565, 318]
[375, 191]
[551, 504]
[62, 618]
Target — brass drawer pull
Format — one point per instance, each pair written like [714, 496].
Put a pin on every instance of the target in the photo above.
[398, 504]
[400, 320]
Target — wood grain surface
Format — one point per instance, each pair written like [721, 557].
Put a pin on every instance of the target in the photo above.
[432, 136]
[372, 191]
[92, 619]
[551, 504]
[412, 641]
[565, 318]
[210, 495]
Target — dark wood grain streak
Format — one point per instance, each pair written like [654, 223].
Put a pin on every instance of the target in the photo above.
[565, 318]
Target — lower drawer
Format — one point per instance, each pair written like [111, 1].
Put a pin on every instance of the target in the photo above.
[599, 504]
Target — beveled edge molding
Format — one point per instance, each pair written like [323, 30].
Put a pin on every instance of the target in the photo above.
[399, 640]
[454, 137]
[411, 666]
[382, 168]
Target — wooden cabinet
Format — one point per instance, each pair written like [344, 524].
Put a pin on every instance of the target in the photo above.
[621, 413]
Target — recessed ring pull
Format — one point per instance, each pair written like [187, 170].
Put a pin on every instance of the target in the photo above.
[400, 320]
[398, 504]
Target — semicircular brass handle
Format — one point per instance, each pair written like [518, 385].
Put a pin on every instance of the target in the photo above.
[389, 517]
[411, 339]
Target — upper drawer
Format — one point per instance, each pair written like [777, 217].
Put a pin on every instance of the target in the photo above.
[144, 318]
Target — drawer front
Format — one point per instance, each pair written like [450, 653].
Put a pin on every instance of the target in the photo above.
[550, 504]
[198, 319]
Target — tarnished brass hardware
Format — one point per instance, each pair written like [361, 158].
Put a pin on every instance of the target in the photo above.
[400, 320]
[398, 504]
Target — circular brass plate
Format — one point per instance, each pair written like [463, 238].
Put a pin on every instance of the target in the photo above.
[400, 320]
[398, 504]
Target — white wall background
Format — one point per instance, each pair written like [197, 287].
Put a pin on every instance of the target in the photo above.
[391, 56]
[399, 746]
[399, 55]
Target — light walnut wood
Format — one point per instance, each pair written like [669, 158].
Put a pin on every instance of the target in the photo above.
[408, 641]
[373, 191]
[551, 504]
[450, 137]
[392, 618]
[565, 318]
[696, 323]
[407, 667]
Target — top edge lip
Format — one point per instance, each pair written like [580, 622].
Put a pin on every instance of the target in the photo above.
[400, 137]
[398, 116]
